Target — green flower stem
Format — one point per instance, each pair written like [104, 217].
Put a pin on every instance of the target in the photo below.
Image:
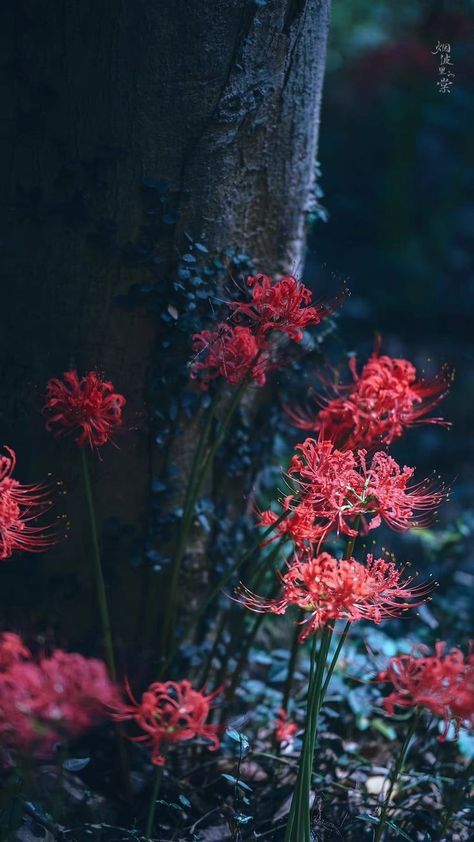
[264, 565]
[196, 478]
[233, 405]
[299, 823]
[397, 771]
[98, 573]
[334, 660]
[244, 651]
[350, 546]
[228, 617]
[291, 836]
[201, 464]
[215, 645]
[221, 584]
[295, 649]
[104, 614]
[456, 801]
[152, 806]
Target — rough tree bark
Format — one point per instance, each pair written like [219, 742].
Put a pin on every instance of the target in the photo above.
[221, 99]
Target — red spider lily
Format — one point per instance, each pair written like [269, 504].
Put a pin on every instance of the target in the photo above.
[283, 306]
[336, 487]
[284, 731]
[20, 506]
[328, 482]
[229, 352]
[299, 525]
[442, 683]
[382, 402]
[51, 699]
[170, 712]
[88, 406]
[331, 589]
[388, 495]
[12, 650]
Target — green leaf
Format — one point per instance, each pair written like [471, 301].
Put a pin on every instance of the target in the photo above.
[384, 728]
[237, 782]
[398, 830]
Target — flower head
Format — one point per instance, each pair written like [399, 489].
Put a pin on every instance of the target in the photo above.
[331, 589]
[229, 352]
[298, 524]
[50, 699]
[284, 730]
[284, 305]
[87, 406]
[20, 508]
[170, 712]
[378, 406]
[337, 487]
[442, 682]
[389, 495]
[327, 480]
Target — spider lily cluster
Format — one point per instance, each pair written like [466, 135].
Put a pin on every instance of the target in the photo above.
[341, 481]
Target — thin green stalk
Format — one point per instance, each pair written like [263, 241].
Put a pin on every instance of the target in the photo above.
[192, 491]
[228, 617]
[350, 546]
[258, 620]
[221, 584]
[335, 659]
[295, 649]
[298, 828]
[297, 794]
[299, 823]
[215, 646]
[265, 563]
[235, 642]
[234, 403]
[152, 806]
[98, 573]
[245, 648]
[455, 804]
[397, 770]
[104, 613]
[197, 477]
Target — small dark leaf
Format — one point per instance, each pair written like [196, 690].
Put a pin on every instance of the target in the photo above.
[237, 782]
[233, 734]
[241, 818]
[75, 764]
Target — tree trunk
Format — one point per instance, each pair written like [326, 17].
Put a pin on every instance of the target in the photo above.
[101, 101]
